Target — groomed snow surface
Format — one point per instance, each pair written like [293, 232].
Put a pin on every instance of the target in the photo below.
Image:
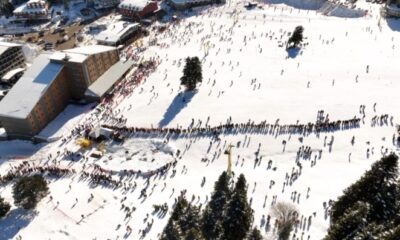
[246, 75]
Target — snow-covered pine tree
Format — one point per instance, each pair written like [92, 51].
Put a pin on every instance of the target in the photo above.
[171, 231]
[348, 226]
[192, 73]
[377, 187]
[238, 215]
[255, 234]
[28, 191]
[213, 213]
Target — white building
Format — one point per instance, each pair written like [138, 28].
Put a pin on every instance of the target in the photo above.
[33, 10]
[117, 33]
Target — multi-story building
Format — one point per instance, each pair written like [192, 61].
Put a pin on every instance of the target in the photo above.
[11, 57]
[47, 86]
[117, 33]
[33, 10]
[85, 65]
[137, 9]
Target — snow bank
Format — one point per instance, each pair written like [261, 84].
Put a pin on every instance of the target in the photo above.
[143, 155]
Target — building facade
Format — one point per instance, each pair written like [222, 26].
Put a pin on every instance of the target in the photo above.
[137, 9]
[11, 57]
[33, 10]
[49, 84]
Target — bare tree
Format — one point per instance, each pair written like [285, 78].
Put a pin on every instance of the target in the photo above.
[287, 215]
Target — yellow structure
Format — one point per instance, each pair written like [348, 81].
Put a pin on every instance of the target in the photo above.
[228, 152]
[83, 142]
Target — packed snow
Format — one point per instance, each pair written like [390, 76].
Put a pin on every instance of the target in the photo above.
[345, 71]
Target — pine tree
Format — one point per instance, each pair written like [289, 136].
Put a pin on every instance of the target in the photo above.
[194, 234]
[391, 234]
[4, 207]
[213, 213]
[352, 222]
[296, 38]
[28, 191]
[192, 73]
[191, 219]
[238, 216]
[377, 187]
[179, 209]
[255, 234]
[171, 231]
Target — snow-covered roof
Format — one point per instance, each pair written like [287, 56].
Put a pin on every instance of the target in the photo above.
[115, 31]
[22, 98]
[12, 73]
[106, 81]
[137, 5]
[71, 57]
[79, 54]
[4, 46]
[37, 1]
[89, 50]
[24, 8]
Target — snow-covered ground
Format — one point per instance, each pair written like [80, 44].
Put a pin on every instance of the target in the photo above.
[246, 75]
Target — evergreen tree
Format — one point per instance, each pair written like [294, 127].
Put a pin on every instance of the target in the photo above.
[296, 38]
[28, 191]
[171, 231]
[4, 207]
[194, 234]
[191, 219]
[377, 188]
[238, 216]
[352, 222]
[391, 234]
[255, 234]
[213, 213]
[179, 209]
[192, 73]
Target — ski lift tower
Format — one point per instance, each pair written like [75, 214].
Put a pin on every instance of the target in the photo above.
[228, 152]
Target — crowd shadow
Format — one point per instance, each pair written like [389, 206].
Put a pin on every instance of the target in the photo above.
[18, 150]
[16, 220]
[393, 24]
[180, 101]
[293, 52]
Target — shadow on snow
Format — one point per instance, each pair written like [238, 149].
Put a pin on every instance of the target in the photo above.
[293, 52]
[393, 24]
[180, 101]
[16, 220]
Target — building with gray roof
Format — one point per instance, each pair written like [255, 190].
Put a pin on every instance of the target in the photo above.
[49, 84]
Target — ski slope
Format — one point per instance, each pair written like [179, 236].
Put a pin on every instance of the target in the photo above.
[247, 75]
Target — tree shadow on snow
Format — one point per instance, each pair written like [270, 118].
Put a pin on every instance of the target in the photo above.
[393, 24]
[180, 101]
[16, 220]
[293, 52]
